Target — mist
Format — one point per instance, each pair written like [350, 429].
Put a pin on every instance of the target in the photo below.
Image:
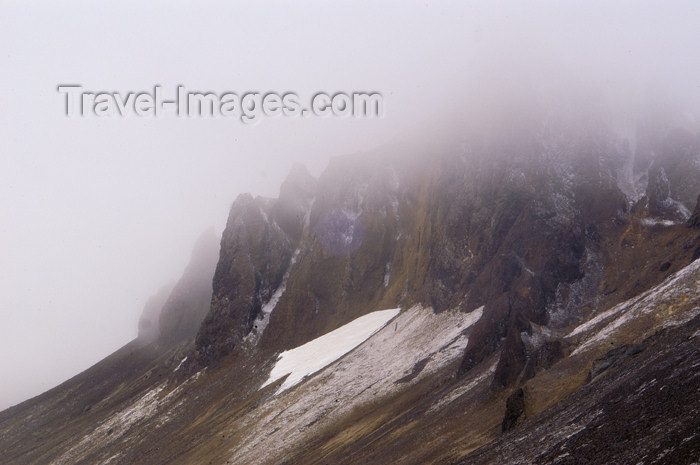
[98, 214]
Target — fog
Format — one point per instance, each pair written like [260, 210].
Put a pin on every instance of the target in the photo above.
[99, 213]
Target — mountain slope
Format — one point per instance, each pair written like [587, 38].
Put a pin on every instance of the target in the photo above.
[541, 275]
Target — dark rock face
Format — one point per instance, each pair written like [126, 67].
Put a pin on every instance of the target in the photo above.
[417, 368]
[543, 239]
[544, 356]
[340, 234]
[515, 407]
[531, 228]
[343, 257]
[446, 232]
[255, 253]
[661, 204]
[256, 250]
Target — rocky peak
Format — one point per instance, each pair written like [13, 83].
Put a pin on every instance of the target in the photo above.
[256, 251]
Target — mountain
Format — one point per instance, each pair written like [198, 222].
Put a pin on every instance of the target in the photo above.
[529, 295]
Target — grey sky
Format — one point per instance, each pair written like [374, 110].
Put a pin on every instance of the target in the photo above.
[98, 214]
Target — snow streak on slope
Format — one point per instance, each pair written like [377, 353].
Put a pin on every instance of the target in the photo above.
[386, 363]
[311, 357]
[264, 317]
[663, 303]
[459, 391]
[116, 428]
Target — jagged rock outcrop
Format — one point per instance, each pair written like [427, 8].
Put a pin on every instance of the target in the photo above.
[344, 256]
[515, 408]
[256, 251]
[531, 227]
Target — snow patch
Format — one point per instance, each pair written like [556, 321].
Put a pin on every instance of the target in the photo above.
[315, 355]
[381, 366]
[522, 263]
[180, 364]
[657, 222]
[111, 458]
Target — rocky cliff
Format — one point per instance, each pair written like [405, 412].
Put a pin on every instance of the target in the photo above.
[257, 248]
[542, 229]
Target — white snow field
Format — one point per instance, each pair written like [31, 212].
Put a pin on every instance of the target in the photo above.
[376, 368]
[313, 356]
